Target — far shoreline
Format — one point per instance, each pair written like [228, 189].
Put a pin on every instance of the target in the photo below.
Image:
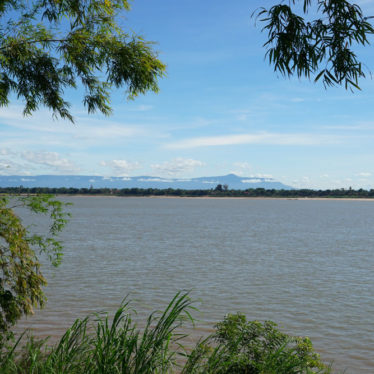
[226, 197]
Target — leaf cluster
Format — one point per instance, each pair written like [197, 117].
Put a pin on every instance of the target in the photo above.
[50, 46]
[323, 47]
[21, 280]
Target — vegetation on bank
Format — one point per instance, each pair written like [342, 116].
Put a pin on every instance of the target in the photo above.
[21, 279]
[100, 345]
[219, 191]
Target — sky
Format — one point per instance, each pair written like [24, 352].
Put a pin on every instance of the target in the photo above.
[221, 109]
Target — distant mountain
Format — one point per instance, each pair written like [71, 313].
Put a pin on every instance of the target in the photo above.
[82, 181]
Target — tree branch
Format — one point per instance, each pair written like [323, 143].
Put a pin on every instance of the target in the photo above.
[33, 41]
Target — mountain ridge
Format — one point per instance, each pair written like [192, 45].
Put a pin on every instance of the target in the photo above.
[86, 181]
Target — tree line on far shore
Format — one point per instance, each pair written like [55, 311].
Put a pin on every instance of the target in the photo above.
[216, 192]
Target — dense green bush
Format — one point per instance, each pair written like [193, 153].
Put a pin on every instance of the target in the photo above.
[242, 347]
[99, 345]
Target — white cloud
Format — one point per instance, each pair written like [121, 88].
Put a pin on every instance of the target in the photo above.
[121, 168]
[177, 166]
[52, 160]
[104, 131]
[12, 167]
[154, 180]
[240, 114]
[254, 180]
[142, 108]
[5, 165]
[258, 138]
[242, 117]
[297, 99]
[6, 152]
[242, 168]
[364, 126]
[263, 176]
[364, 174]
[41, 129]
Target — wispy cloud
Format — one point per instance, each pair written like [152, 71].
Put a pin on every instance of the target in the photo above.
[121, 168]
[31, 162]
[364, 174]
[256, 180]
[361, 126]
[177, 166]
[242, 168]
[52, 160]
[41, 129]
[7, 167]
[256, 138]
[140, 108]
[263, 176]
[5, 152]
[297, 99]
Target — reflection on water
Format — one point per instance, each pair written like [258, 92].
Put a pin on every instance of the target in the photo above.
[307, 265]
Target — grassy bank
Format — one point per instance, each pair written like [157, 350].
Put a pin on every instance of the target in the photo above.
[98, 344]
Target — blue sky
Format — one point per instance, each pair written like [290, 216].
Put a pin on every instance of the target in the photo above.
[221, 109]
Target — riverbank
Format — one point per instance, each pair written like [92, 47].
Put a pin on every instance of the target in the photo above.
[226, 197]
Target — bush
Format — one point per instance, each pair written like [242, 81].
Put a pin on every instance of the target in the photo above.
[253, 348]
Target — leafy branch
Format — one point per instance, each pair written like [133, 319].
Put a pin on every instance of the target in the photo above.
[48, 46]
[322, 48]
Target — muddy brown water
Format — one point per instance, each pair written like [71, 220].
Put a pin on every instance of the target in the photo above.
[307, 265]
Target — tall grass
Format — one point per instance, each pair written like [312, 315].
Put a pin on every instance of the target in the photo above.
[100, 345]
[114, 346]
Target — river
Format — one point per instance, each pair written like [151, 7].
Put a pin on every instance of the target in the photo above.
[305, 264]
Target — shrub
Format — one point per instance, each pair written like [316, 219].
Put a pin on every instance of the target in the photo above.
[241, 347]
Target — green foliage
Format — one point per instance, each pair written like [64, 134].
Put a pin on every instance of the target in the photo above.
[253, 348]
[103, 346]
[21, 280]
[49, 46]
[323, 47]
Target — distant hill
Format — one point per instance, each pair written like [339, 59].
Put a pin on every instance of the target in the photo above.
[82, 181]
